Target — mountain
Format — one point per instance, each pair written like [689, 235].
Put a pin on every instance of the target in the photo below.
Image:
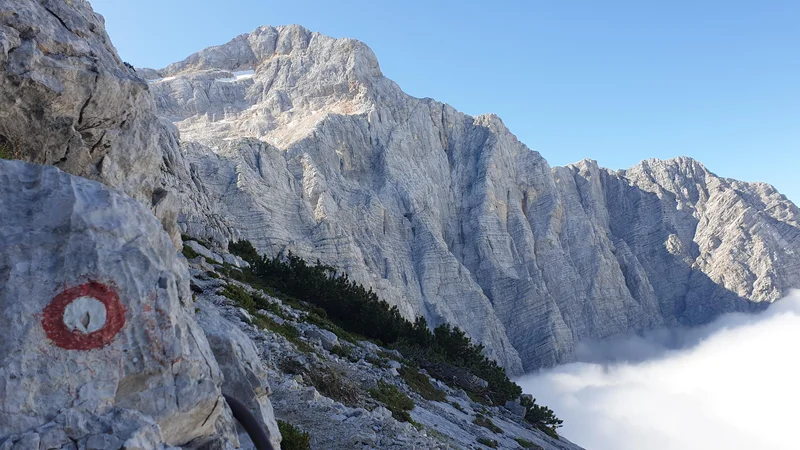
[296, 141]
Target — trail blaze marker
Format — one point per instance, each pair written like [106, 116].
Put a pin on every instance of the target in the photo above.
[84, 317]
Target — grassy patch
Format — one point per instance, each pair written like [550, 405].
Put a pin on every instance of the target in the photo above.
[251, 304]
[458, 406]
[342, 351]
[189, 253]
[487, 423]
[328, 381]
[549, 431]
[421, 384]
[491, 443]
[436, 434]
[377, 361]
[332, 383]
[524, 443]
[285, 329]
[293, 438]
[7, 151]
[478, 399]
[396, 401]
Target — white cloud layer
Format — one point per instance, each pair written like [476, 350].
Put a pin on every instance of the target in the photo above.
[733, 384]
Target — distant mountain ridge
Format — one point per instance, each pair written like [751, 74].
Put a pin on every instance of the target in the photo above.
[450, 216]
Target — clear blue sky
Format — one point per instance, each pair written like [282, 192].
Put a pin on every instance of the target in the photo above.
[615, 81]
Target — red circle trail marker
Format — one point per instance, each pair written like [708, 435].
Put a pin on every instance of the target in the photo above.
[84, 317]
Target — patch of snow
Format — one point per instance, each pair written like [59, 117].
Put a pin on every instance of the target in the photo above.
[158, 80]
[238, 75]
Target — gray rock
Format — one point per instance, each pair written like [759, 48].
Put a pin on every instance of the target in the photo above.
[449, 216]
[516, 408]
[230, 259]
[103, 442]
[115, 429]
[381, 413]
[68, 100]
[67, 245]
[245, 376]
[310, 395]
[202, 250]
[201, 262]
[327, 338]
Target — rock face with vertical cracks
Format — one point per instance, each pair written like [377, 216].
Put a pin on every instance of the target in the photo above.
[295, 140]
[97, 318]
[68, 100]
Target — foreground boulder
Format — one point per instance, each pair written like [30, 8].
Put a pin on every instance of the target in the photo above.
[97, 319]
[239, 360]
[59, 73]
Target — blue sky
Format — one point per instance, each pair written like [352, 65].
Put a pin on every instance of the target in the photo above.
[615, 81]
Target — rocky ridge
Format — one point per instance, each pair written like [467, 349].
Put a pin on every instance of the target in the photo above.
[449, 216]
[321, 382]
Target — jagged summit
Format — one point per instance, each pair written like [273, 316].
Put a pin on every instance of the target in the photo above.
[247, 51]
[448, 215]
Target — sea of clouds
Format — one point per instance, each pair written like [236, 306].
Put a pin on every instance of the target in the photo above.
[733, 384]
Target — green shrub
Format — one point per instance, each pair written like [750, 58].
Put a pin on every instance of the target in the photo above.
[524, 443]
[421, 384]
[491, 443]
[240, 296]
[331, 383]
[396, 401]
[7, 151]
[487, 423]
[189, 253]
[359, 311]
[541, 417]
[293, 438]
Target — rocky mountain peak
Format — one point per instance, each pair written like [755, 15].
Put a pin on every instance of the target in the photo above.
[449, 216]
[287, 43]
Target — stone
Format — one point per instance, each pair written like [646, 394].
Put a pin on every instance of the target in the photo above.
[230, 259]
[70, 101]
[97, 310]
[203, 251]
[244, 374]
[328, 339]
[311, 395]
[103, 442]
[381, 413]
[116, 429]
[201, 262]
[516, 408]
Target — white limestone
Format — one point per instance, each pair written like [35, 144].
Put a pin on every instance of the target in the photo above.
[451, 217]
[62, 234]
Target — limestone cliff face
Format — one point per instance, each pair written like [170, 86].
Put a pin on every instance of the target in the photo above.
[296, 141]
[68, 100]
